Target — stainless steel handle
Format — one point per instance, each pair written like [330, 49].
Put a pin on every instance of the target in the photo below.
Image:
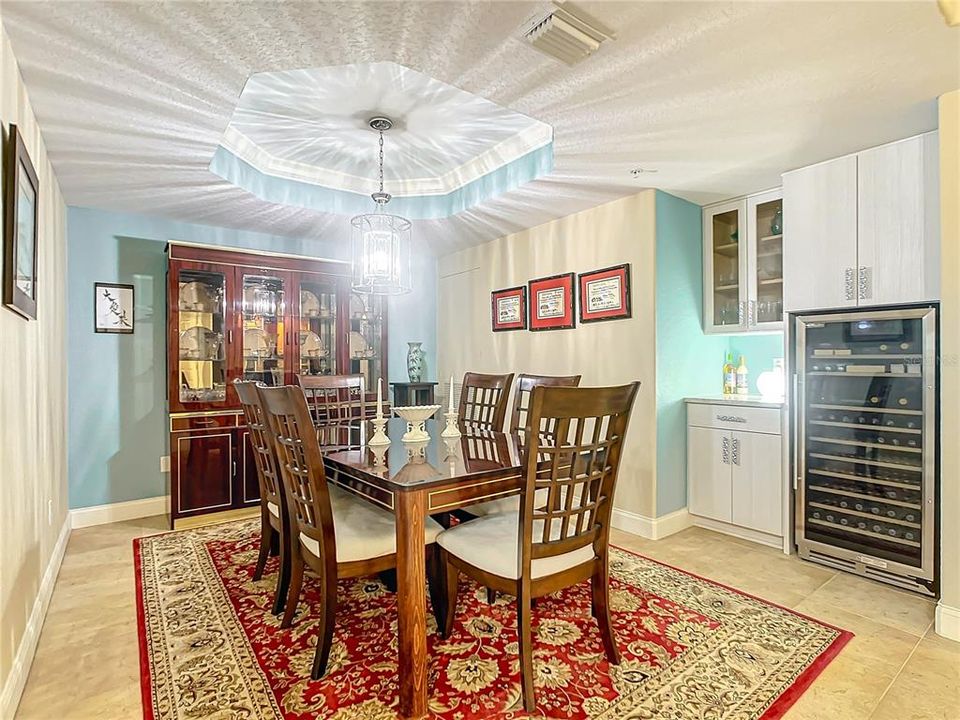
[848, 283]
[864, 282]
[725, 450]
[736, 451]
[796, 419]
[731, 418]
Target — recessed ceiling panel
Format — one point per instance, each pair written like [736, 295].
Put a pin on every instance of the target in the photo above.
[301, 137]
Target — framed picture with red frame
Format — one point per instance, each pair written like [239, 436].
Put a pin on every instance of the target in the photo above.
[551, 302]
[605, 294]
[508, 309]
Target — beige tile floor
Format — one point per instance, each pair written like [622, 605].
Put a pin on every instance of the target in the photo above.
[895, 668]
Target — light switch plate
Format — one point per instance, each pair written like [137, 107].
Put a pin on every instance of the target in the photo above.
[164, 463]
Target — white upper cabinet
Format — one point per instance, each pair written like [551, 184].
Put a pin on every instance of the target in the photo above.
[863, 229]
[743, 264]
[898, 229]
[820, 238]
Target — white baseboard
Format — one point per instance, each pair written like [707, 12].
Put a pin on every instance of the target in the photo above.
[948, 621]
[17, 679]
[651, 528]
[774, 541]
[118, 512]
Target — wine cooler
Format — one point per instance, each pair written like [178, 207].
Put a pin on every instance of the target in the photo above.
[865, 443]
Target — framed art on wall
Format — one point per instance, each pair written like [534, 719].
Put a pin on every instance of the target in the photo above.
[508, 309]
[551, 302]
[605, 294]
[113, 308]
[21, 199]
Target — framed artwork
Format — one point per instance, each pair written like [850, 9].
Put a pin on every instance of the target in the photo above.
[508, 309]
[605, 294]
[21, 199]
[112, 308]
[551, 302]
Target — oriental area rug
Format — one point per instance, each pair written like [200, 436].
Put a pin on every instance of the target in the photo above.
[209, 647]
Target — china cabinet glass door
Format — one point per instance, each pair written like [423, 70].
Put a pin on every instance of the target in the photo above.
[317, 327]
[263, 327]
[202, 358]
[366, 342]
[765, 261]
[725, 241]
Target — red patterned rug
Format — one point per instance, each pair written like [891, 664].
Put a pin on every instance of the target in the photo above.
[209, 647]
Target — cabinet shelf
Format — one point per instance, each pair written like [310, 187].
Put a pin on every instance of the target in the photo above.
[858, 408]
[727, 249]
[864, 461]
[864, 427]
[863, 479]
[858, 531]
[864, 444]
[771, 238]
[863, 496]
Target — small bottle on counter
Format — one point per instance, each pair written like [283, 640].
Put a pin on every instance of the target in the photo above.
[743, 386]
[729, 376]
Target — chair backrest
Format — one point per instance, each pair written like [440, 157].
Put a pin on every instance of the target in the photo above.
[522, 390]
[483, 399]
[571, 474]
[336, 403]
[300, 463]
[268, 474]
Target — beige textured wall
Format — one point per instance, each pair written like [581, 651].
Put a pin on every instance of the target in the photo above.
[950, 348]
[605, 353]
[33, 392]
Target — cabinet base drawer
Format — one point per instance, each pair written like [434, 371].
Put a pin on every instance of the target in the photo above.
[732, 417]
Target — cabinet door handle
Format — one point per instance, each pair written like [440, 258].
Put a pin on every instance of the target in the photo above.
[725, 450]
[234, 464]
[752, 314]
[848, 283]
[202, 421]
[864, 278]
[740, 313]
[230, 336]
[736, 451]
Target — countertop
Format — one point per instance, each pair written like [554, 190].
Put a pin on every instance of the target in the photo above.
[760, 401]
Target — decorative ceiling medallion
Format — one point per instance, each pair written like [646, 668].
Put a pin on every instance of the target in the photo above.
[301, 137]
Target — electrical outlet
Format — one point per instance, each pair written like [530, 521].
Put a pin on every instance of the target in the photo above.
[164, 463]
[50, 512]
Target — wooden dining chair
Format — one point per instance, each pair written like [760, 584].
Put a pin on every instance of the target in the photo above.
[274, 523]
[338, 406]
[483, 399]
[559, 540]
[334, 532]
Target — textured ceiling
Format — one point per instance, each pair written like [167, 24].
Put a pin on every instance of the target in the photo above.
[719, 98]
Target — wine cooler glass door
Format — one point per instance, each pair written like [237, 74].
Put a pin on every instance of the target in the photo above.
[866, 437]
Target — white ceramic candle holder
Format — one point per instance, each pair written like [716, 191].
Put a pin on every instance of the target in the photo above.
[379, 436]
[416, 416]
[379, 457]
[451, 430]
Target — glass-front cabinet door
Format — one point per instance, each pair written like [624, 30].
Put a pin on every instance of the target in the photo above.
[202, 329]
[263, 326]
[316, 316]
[724, 267]
[765, 261]
[366, 340]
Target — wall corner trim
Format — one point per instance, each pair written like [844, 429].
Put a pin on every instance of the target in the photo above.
[651, 528]
[17, 679]
[947, 622]
[118, 512]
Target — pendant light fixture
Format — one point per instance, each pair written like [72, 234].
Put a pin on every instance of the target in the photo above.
[381, 242]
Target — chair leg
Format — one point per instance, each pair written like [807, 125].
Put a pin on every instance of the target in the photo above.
[328, 614]
[296, 583]
[600, 587]
[525, 635]
[283, 578]
[451, 577]
[491, 596]
[266, 538]
[435, 584]
[274, 543]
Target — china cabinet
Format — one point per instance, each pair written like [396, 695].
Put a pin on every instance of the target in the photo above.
[235, 315]
[743, 264]
[864, 228]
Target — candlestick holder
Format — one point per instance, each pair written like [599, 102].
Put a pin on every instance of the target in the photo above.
[379, 436]
[451, 430]
[379, 453]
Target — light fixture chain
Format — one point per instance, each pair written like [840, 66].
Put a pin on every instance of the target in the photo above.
[381, 161]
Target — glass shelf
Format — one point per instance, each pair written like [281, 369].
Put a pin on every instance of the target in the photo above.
[200, 352]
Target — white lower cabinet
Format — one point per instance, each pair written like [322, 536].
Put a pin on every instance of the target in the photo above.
[735, 470]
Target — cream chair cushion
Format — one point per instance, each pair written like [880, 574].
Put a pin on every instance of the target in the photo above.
[492, 544]
[495, 507]
[273, 509]
[363, 531]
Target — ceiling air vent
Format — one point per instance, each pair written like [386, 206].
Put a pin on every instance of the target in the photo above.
[566, 33]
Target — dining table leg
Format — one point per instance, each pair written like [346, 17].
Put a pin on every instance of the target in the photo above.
[412, 603]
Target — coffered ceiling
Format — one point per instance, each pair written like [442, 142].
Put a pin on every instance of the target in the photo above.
[714, 99]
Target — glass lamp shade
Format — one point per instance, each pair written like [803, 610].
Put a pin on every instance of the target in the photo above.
[381, 254]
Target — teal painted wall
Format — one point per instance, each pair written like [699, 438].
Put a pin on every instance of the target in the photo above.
[117, 414]
[688, 362]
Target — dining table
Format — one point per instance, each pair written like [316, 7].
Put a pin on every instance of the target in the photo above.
[414, 481]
